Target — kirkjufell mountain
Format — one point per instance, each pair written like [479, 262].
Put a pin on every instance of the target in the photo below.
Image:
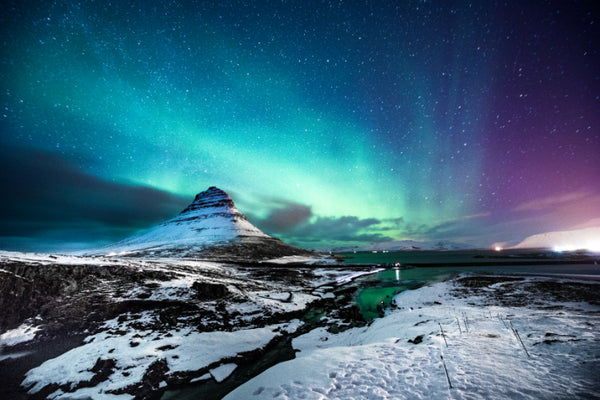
[210, 227]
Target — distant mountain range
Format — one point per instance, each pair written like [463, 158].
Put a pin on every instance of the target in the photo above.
[405, 245]
[211, 227]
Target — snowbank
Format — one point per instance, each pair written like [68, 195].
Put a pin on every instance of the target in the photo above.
[400, 356]
[21, 334]
[309, 260]
[133, 353]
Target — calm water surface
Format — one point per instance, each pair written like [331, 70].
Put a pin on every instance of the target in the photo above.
[375, 292]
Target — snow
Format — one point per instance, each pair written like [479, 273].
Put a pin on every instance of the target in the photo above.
[376, 361]
[281, 301]
[204, 377]
[350, 277]
[135, 350]
[309, 260]
[487, 361]
[223, 371]
[23, 333]
[203, 226]
[578, 239]
[46, 259]
[8, 356]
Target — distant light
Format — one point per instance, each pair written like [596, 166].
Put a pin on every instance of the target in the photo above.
[498, 248]
[590, 245]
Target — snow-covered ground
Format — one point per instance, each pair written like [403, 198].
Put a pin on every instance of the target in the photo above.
[308, 260]
[23, 333]
[45, 259]
[186, 334]
[400, 356]
[350, 277]
[132, 353]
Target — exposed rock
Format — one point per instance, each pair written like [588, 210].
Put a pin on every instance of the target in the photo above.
[416, 340]
[351, 313]
[209, 291]
[64, 295]
[102, 370]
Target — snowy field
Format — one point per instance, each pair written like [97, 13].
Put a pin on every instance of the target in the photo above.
[494, 352]
[132, 354]
[503, 337]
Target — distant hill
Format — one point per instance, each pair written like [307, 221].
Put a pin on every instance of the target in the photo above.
[580, 239]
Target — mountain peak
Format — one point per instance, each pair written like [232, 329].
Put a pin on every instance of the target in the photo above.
[210, 225]
[212, 192]
[213, 197]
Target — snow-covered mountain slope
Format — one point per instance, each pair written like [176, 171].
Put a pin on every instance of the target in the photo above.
[581, 239]
[210, 226]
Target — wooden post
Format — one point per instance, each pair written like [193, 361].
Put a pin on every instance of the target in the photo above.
[516, 333]
[446, 370]
[522, 344]
[444, 336]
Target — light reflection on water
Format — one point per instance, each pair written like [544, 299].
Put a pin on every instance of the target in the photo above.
[375, 292]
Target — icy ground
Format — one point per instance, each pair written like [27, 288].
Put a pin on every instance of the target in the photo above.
[147, 323]
[133, 353]
[154, 324]
[400, 356]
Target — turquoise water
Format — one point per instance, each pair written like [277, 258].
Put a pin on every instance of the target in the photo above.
[375, 292]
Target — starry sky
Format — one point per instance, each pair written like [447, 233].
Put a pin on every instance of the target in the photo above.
[330, 123]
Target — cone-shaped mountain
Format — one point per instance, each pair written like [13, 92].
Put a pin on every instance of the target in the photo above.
[210, 227]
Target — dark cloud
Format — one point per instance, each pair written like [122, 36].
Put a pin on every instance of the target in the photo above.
[342, 229]
[47, 199]
[296, 224]
[286, 217]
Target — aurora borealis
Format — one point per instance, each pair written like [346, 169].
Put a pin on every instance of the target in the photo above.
[329, 122]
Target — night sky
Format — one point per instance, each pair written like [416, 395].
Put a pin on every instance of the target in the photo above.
[329, 122]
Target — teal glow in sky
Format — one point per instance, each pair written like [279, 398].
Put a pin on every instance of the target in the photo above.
[330, 122]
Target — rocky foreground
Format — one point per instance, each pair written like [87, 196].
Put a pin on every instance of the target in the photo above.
[135, 327]
[124, 328]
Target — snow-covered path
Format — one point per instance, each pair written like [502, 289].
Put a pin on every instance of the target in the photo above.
[484, 356]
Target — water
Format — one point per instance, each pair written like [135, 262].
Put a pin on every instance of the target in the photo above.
[480, 257]
[376, 291]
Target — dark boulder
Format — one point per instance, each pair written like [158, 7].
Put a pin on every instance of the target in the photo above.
[416, 340]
